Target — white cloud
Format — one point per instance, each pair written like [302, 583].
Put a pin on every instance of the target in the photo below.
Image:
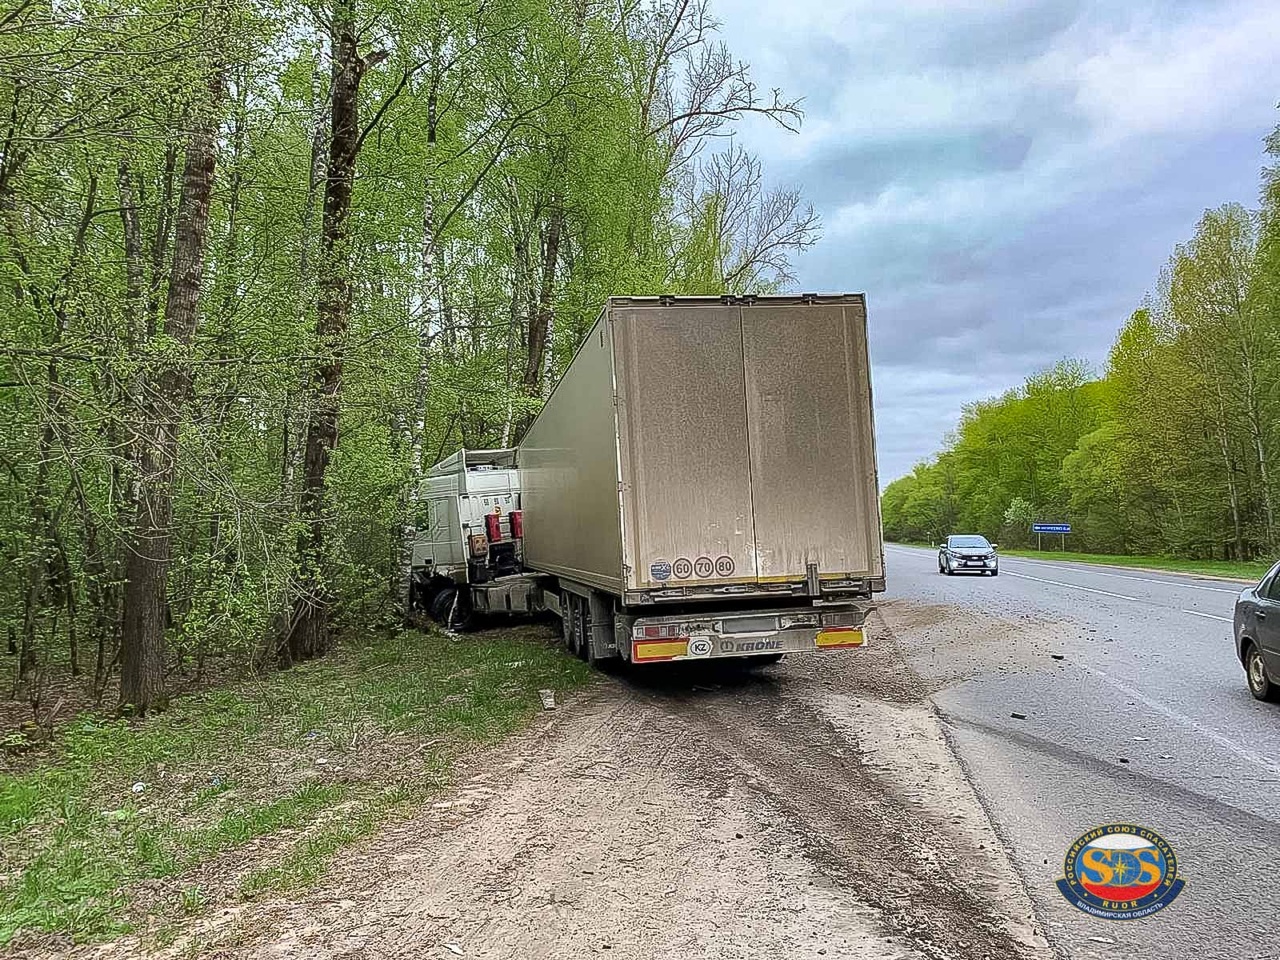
[1197, 76]
[1004, 180]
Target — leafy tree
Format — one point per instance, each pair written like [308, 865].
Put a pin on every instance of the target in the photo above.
[264, 262]
[1173, 450]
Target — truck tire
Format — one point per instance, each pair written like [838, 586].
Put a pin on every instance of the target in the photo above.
[581, 628]
[441, 602]
[566, 621]
[451, 608]
[421, 592]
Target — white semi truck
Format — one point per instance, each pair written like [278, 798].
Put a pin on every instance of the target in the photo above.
[700, 484]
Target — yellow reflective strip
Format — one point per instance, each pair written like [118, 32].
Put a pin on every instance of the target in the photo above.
[841, 638]
[653, 649]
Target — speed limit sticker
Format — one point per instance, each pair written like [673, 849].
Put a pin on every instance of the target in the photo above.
[724, 566]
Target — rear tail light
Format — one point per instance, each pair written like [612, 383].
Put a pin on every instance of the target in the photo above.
[798, 620]
[659, 631]
[847, 618]
[493, 527]
[517, 524]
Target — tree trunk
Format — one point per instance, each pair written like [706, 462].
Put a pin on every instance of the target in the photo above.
[540, 323]
[160, 239]
[307, 632]
[1254, 418]
[404, 529]
[142, 686]
[133, 265]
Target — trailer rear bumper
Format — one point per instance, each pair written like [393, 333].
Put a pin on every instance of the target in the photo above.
[748, 634]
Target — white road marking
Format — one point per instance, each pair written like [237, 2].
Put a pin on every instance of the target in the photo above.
[1120, 576]
[1090, 569]
[1209, 616]
[1076, 586]
[1219, 738]
[1122, 596]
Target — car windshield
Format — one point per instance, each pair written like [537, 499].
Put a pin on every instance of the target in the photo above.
[977, 542]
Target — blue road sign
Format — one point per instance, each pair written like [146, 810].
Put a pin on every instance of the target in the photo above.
[1051, 528]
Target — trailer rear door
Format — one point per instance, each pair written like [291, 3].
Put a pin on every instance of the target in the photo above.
[682, 419]
[813, 479]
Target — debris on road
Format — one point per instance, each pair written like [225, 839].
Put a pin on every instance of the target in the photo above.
[1018, 716]
[1058, 656]
[548, 699]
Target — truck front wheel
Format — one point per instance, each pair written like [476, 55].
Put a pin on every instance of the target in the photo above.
[451, 608]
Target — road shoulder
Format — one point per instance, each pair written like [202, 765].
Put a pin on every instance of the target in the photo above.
[812, 810]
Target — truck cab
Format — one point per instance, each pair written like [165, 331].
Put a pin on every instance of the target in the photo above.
[473, 532]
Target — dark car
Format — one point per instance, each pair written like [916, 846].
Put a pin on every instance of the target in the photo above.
[968, 553]
[1257, 623]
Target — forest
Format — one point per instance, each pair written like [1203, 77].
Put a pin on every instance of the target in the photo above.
[1174, 450]
[263, 262]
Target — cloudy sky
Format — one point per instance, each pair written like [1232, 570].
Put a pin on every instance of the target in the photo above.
[1004, 178]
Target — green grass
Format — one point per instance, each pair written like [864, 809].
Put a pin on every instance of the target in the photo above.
[1251, 571]
[252, 788]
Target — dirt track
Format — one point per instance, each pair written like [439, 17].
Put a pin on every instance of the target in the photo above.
[811, 809]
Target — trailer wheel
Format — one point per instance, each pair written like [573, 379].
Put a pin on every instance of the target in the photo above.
[566, 620]
[581, 628]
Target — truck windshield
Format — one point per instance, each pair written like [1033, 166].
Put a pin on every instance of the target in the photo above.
[979, 542]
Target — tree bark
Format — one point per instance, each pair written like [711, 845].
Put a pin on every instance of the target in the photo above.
[404, 529]
[307, 632]
[133, 265]
[142, 654]
[540, 323]
[160, 239]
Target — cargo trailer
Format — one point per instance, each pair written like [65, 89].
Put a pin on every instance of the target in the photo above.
[702, 482]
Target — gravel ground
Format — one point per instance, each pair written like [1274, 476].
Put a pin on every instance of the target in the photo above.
[810, 809]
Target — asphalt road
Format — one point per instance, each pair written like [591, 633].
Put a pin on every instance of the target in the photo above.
[1144, 719]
